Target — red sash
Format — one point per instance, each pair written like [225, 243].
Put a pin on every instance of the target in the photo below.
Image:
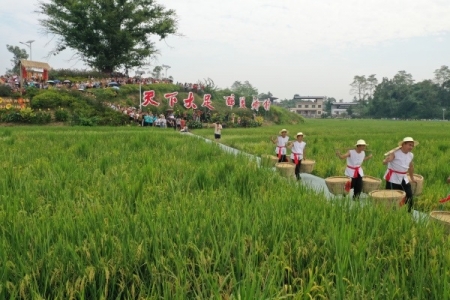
[355, 174]
[279, 151]
[390, 172]
[296, 157]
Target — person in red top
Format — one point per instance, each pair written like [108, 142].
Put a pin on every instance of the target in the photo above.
[183, 123]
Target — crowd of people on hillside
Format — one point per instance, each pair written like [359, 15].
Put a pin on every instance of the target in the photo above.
[148, 119]
[13, 80]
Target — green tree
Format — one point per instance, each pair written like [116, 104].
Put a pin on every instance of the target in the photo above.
[157, 72]
[244, 89]
[384, 103]
[442, 75]
[350, 110]
[424, 97]
[107, 34]
[403, 78]
[359, 87]
[372, 82]
[328, 102]
[18, 54]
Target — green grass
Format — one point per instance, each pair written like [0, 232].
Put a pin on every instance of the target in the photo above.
[324, 136]
[139, 213]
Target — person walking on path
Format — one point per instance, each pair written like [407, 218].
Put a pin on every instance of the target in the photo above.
[355, 158]
[281, 141]
[217, 131]
[297, 153]
[399, 163]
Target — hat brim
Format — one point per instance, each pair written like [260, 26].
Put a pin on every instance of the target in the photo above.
[281, 131]
[401, 143]
[300, 135]
[361, 145]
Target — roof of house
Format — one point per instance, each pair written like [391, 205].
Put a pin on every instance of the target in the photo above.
[34, 64]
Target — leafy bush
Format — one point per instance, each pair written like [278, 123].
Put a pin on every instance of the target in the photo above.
[31, 92]
[259, 120]
[83, 120]
[105, 95]
[41, 117]
[55, 98]
[113, 118]
[194, 125]
[5, 91]
[61, 115]
[27, 114]
[10, 116]
[249, 122]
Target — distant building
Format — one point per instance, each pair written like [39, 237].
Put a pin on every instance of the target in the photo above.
[308, 106]
[339, 108]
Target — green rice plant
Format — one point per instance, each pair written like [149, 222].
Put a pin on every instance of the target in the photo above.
[145, 213]
[324, 137]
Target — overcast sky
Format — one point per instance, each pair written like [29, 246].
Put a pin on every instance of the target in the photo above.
[287, 47]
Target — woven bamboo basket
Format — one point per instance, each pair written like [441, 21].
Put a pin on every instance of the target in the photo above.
[390, 198]
[307, 166]
[371, 184]
[269, 161]
[417, 186]
[286, 169]
[336, 184]
[442, 217]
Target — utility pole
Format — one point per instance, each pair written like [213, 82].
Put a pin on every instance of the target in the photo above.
[28, 44]
[166, 67]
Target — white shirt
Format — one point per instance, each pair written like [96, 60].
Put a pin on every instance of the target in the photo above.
[281, 144]
[297, 148]
[400, 163]
[355, 160]
[217, 128]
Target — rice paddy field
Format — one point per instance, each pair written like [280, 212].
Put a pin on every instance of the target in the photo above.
[148, 213]
[324, 137]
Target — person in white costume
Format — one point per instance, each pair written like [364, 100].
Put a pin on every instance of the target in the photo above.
[355, 158]
[281, 141]
[217, 131]
[399, 163]
[297, 153]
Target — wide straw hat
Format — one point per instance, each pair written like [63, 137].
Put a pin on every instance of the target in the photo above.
[300, 133]
[408, 139]
[283, 130]
[361, 143]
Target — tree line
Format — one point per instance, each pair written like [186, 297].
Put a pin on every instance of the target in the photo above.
[401, 97]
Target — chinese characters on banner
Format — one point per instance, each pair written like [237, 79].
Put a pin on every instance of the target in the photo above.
[207, 102]
[189, 101]
[172, 97]
[229, 100]
[255, 103]
[266, 104]
[148, 98]
[242, 102]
